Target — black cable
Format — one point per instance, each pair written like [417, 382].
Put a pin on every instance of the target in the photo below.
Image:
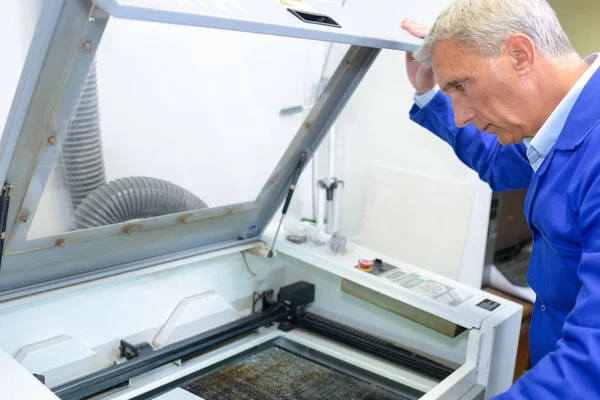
[247, 266]
[255, 298]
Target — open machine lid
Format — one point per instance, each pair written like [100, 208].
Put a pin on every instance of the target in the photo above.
[147, 130]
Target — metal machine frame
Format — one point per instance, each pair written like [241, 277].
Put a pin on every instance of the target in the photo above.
[490, 344]
[141, 358]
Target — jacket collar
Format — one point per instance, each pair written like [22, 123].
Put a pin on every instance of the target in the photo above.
[584, 116]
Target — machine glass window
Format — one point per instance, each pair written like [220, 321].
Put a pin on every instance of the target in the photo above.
[167, 126]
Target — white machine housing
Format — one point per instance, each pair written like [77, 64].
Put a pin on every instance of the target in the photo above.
[68, 300]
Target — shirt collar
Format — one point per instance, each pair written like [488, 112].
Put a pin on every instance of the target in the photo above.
[546, 137]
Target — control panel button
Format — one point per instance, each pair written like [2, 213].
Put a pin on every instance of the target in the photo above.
[365, 265]
[489, 305]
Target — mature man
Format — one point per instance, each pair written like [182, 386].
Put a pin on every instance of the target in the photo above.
[521, 108]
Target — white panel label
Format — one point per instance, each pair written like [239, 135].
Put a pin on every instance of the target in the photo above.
[419, 284]
[430, 289]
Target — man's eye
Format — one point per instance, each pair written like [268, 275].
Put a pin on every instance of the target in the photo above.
[460, 86]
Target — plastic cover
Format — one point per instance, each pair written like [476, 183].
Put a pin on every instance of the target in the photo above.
[171, 131]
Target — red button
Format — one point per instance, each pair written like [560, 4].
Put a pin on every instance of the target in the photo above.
[366, 265]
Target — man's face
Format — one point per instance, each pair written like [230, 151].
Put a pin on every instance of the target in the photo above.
[485, 92]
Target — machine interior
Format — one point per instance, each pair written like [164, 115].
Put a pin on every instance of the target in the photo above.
[282, 369]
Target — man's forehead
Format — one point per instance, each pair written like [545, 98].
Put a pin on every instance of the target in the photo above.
[449, 56]
[453, 61]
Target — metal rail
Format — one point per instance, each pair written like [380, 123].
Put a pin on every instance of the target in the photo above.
[147, 361]
[372, 345]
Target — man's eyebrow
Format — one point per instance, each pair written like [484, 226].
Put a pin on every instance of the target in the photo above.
[452, 83]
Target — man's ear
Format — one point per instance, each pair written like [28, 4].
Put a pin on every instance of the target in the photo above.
[521, 52]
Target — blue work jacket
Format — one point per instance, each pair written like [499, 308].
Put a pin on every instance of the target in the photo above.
[563, 212]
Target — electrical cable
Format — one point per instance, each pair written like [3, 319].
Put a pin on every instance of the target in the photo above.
[246, 262]
[255, 298]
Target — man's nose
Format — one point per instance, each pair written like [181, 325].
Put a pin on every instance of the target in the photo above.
[462, 115]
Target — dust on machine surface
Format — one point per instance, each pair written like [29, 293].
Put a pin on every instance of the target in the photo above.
[277, 374]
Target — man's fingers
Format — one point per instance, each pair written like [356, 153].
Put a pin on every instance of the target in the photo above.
[413, 24]
[419, 32]
[417, 29]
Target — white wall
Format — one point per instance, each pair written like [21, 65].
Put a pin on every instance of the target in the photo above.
[198, 107]
[17, 22]
[10, 48]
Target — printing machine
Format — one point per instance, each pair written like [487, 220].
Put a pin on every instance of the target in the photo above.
[189, 304]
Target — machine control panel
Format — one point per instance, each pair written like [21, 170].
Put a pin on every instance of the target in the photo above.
[375, 267]
[416, 283]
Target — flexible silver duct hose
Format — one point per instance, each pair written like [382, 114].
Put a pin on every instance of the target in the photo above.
[83, 160]
[97, 203]
[133, 198]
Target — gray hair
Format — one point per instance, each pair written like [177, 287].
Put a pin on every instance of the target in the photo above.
[487, 24]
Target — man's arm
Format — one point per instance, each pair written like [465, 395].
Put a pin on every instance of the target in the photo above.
[572, 370]
[502, 167]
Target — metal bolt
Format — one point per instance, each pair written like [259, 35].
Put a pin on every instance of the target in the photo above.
[60, 243]
[87, 45]
[127, 230]
[92, 19]
[347, 64]
[183, 219]
[274, 181]
[308, 126]
[23, 218]
[52, 140]
[232, 211]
